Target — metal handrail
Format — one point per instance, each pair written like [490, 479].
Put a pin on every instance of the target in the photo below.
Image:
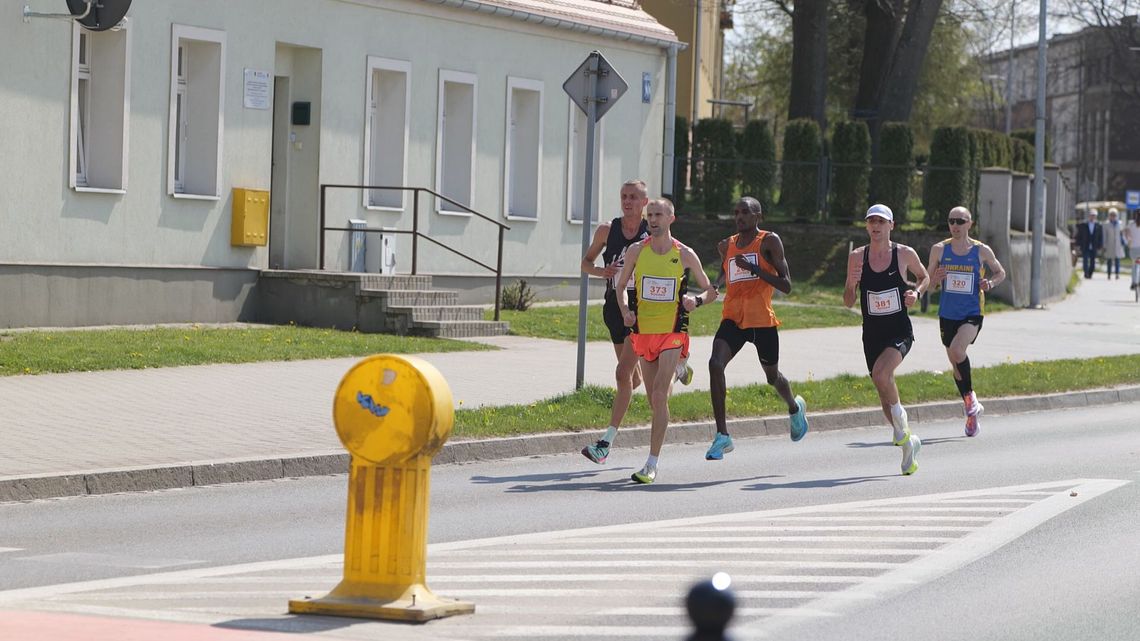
[415, 232]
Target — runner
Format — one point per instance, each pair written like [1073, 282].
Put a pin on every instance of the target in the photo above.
[877, 270]
[754, 264]
[659, 315]
[965, 269]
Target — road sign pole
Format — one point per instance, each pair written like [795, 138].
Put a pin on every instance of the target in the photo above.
[587, 211]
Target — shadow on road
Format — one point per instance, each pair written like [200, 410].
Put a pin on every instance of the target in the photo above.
[931, 441]
[622, 483]
[818, 483]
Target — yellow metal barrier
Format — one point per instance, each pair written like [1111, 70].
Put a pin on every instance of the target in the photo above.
[392, 413]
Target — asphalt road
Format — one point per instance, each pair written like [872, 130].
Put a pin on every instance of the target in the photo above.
[1047, 569]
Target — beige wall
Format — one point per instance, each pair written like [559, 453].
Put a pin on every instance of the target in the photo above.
[681, 17]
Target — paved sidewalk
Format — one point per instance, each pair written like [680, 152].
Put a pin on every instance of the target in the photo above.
[68, 424]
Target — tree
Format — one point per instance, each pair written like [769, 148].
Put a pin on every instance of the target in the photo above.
[809, 62]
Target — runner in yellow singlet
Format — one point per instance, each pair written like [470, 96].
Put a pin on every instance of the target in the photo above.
[659, 314]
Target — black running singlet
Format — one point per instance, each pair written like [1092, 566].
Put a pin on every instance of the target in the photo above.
[616, 245]
[881, 299]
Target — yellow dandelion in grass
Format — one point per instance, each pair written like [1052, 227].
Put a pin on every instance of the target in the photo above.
[185, 338]
[27, 370]
[461, 403]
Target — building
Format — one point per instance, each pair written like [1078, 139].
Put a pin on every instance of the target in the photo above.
[138, 159]
[1092, 104]
[700, 66]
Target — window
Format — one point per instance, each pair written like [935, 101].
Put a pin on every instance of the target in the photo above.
[100, 108]
[576, 166]
[455, 141]
[523, 149]
[386, 131]
[197, 102]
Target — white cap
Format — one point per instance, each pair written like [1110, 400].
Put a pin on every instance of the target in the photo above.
[882, 211]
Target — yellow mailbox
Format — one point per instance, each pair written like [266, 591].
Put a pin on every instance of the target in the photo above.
[392, 413]
[250, 224]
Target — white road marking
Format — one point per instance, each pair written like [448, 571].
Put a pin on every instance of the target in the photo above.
[107, 560]
[776, 539]
[702, 563]
[598, 552]
[825, 528]
[3, 550]
[737, 579]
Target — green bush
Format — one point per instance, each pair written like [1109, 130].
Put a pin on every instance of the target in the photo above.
[1023, 159]
[800, 171]
[1030, 138]
[890, 178]
[758, 166]
[714, 151]
[680, 160]
[851, 157]
[517, 296]
[948, 174]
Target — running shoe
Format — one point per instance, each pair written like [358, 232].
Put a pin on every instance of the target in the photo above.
[799, 420]
[911, 446]
[684, 373]
[721, 445]
[598, 452]
[902, 428]
[972, 425]
[974, 407]
[645, 475]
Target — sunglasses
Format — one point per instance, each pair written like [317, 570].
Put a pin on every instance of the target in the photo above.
[958, 221]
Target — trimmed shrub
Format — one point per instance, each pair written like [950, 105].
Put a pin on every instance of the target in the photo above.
[851, 157]
[800, 171]
[758, 166]
[890, 179]
[714, 149]
[1023, 159]
[948, 174]
[680, 160]
[1030, 138]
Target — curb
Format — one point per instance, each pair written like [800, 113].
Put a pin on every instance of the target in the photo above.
[165, 477]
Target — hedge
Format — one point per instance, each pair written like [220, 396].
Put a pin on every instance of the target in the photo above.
[1030, 138]
[714, 167]
[680, 160]
[758, 167]
[851, 157]
[800, 172]
[890, 178]
[948, 174]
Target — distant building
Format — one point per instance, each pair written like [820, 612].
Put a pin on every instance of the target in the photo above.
[124, 148]
[701, 24]
[1092, 104]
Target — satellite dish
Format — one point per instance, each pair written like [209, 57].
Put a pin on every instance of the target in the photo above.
[99, 15]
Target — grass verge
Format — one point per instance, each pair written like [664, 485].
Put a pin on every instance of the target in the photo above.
[561, 321]
[589, 408]
[41, 352]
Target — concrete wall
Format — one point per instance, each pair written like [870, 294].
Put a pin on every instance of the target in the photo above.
[1002, 197]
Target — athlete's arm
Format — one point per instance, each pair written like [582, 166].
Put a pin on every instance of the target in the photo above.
[601, 234]
[997, 272]
[690, 261]
[914, 265]
[631, 255]
[854, 273]
[937, 271]
[773, 249]
[722, 249]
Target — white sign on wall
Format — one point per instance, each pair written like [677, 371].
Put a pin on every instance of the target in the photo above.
[257, 89]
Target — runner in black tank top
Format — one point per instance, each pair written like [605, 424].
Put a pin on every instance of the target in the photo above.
[884, 295]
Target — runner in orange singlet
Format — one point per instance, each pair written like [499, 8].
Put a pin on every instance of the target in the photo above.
[753, 264]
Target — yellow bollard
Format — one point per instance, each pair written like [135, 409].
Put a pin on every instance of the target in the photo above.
[392, 413]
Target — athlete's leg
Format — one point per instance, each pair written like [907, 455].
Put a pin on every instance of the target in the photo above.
[660, 384]
[883, 376]
[722, 354]
[959, 362]
[626, 380]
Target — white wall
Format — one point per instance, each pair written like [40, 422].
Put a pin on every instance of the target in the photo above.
[45, 221]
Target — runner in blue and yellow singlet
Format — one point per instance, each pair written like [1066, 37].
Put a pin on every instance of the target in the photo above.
[659, 314]
[965, 269]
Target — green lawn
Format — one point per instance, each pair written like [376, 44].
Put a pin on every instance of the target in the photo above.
[40, 352]
[589, 408]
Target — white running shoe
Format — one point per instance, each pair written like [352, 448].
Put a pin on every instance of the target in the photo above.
[911, 446]
[902, 428]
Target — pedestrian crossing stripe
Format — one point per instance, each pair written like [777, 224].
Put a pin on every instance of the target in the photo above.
[787, 565]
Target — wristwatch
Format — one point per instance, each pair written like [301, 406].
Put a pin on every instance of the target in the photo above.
[700, 301]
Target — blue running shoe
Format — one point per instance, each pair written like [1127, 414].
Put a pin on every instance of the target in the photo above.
[598, 452]
[799, 420]
[721, 445]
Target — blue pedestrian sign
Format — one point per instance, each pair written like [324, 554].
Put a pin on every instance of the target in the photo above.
[646, 93]
[1132, 200]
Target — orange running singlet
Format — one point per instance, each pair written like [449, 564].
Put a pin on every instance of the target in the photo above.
[748, 299]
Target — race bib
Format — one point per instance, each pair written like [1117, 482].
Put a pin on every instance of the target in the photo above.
[959, 282]
[735, 273]
[884, 303]
[619, 263]
[660, 290]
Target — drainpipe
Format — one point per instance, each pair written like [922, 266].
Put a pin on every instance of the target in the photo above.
[669, 162]
[697, 67]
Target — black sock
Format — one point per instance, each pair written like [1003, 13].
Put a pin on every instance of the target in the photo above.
[965, 384]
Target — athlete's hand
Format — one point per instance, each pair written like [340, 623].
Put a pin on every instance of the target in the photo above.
[854, 269]
[986, 285]
[938, 276]
[689, 303]
[629, 317]
[611, 270]
[910, 297]
[744, 263]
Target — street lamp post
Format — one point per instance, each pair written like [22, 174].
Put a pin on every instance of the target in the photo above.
[1039, 170]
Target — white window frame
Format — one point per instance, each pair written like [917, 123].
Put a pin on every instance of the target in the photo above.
[536, 86]
[572, 162]
[176, 187]
[87, 65]
[377, 64]
[457, 77]
[180, 117]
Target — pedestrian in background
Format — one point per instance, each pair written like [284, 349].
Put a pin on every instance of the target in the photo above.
[1089, 239]
[1113, 243]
